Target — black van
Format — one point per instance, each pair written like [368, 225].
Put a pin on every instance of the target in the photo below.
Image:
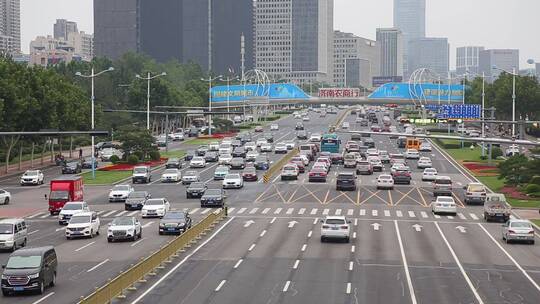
[29, 269]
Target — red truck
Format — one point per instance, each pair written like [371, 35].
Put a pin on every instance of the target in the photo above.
[65, 189]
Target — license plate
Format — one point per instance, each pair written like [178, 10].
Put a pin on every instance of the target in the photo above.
[18, 288]
[498, 214]
[334, 228]
[134, 205]
[76, 232]
[170, 229]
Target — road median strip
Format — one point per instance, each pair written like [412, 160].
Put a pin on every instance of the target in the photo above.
[116, 288]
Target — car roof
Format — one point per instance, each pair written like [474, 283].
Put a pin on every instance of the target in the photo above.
[335, 217]
[519, 221]
[11, 221]
[89, 213]
[442, 177]
[28, 251]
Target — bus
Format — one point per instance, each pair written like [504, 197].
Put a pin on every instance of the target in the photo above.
[413, 143]
[330, 143]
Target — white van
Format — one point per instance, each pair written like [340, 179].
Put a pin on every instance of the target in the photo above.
[13, 233]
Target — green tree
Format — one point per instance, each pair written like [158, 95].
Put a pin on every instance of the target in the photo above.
[515, 170]
[136, 140]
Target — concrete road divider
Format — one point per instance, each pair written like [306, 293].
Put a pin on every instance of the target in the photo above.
[116, 288]
[276, 167]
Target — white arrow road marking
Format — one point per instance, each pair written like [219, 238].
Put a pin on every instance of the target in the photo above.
[376, 226]
[248, 223]
[417, 227]
[461, 229]
[292, 223]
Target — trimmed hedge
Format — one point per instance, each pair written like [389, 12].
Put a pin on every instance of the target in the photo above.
[114, 159]
[154, 155]
[133, 159]
[532, 188]
[535, 180]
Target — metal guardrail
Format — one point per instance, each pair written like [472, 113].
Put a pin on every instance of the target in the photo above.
[115, 288]
[278, 165]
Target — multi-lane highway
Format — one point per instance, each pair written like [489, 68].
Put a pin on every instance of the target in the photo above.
[269, 251]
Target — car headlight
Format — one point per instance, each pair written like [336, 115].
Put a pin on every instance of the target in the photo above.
[33, 276]
[131, 231]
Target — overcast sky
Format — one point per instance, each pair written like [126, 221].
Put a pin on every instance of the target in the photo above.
[489, 23]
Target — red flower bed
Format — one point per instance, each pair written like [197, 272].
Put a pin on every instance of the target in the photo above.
[513, 192]
[219, 135]
[128, 167]
[478, 166]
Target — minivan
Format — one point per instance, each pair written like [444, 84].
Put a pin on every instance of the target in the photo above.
[30, 269]
[13, 233]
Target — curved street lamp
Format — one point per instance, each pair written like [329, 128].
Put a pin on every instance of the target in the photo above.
[148, 78]
[209, 80]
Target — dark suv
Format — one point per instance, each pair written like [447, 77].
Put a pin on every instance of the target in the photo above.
[213, 198]
[30, 269]
[346, 181]
[136, 200]
[175, 222]
[71, 168]
[173, 163]
[196, 189]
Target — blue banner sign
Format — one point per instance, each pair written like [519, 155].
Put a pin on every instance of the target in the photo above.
[424, 91]
[272, 91]
[457, 111]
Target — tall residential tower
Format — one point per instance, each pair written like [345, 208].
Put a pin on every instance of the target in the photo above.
[410, 18]
[390, 42]
[10, 26]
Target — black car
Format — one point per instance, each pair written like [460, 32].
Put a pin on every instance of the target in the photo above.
[356, 136]
[299, 126]
[193, 132]
[71, 168]
[301, 134]
[196, 189]
[261, 162]
[30, 269]
[189, 155]
[201, 150]
[213, 198]
[87, 163]
[269, 137]
[238, 163]
[173, 163]
[136, 200]
[175, 222]
[245, 138]
[211, 157]
[369, 142]
[239, 152]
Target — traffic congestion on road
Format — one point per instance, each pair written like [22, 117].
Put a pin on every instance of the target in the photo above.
[351, 218]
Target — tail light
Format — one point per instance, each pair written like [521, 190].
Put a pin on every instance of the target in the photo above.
[531, 232]
[344, 227]
[325, 226]
[311, 174]
[469, 193]
[484, 194]
[511, 231]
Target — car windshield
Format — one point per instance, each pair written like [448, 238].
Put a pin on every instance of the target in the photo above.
[190, 173]
[172, 160]
[121, 188]
[345, 176]
[385, 177]
[335, 221]
[222, 169]
[122, 221]
[196, 185]
[174, 215]
[80, 219]
[154, 202]
[23, 262]
[59, 195]
[30, 173]
[138, 194]
[445, 199]
[430, 170]
[520, 225]
[6, 228]
[260, 159]
[232, 176]
[213, 192]
[443, 181]
[170, 171]
[72, 207]
[197, 159]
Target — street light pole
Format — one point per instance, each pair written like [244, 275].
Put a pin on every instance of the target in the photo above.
[514, 103]
[92, 100]
[449, 94]
[150, 77]
[228, 94]
[210, 79]
[483, 115]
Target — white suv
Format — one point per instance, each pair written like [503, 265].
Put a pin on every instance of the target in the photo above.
[335, 227]
[83, 224]
[444, 204]
[70, 209]
[32, 177]
[120, 193]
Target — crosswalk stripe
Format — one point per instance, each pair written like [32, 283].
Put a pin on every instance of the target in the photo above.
[338, 212]
[375, 212]
[205, 211]
[289, 211]
[241, 210]
[350, 212]
[34, 215]
[229, 210]
[399, 213]
[301, 211]
[314, 211]
[109, 213]
[278, 210]
[100, 212]
[45, 215]
[473, 216]
[265, 211]
[253, 210]
[197, 209]
[461, 216]
[411, 214]
[362, 211]
[450, 217]
[133, 213]
[386, 212]
[512, 217]
[424, 214]
[437, 216]
[121, 213]
[325, 211]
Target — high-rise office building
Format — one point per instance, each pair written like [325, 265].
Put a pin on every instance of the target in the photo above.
[207, 32]
[356, 60]
[537, 70]
[83, 44]
[10, 26]
[410, 18]
[429, 53]
[294, 39]
[467, 59]
[390, 42]
[506, 59]
[62, 28]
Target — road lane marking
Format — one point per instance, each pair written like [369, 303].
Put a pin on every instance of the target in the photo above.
[109, 213]
[43, 298]
[147, 224]
[356, 222]
[132, 213]
[325, 211]
[461, 216]
[137, 242]
[254, 210]
[375, 212]
[353, 248]
[262, 233]
[277, 211]
[315, 221]
[286, 287]
[348, 291]
[45, 215]
[338, 211]
[424, 214]
[265, 211]
[437, 216]
[32, 232]
[301, 211]
[273, 220]
[473, 216]
[450, 217]
[386, 212]
[251, 247]
[230, 209]
[304, 247]
[220, 285]
[411, 214]
[100, 212]
[295, 266]
[354, 235]
[121, 213]
[511, 258]
[242, 210]
[34, 215]
[405, 264]
[289, 211]
[61, 228]
[362, 212]
[206, 210]
[399, 213]
[95, 267]
[350, 212]
[81, 248]
[456, 259]
[314, 211]
[238, 263]
[197, 209]
[309, 233]
[351, 265]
